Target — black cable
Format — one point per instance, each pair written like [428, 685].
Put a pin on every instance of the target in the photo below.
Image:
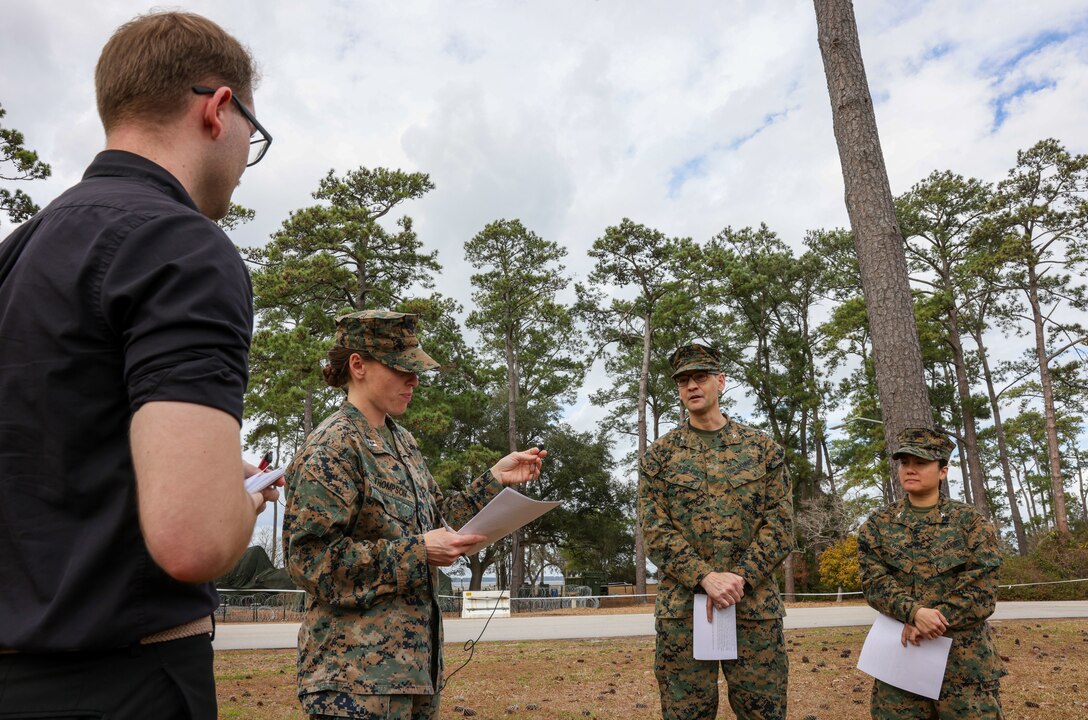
[470, 645]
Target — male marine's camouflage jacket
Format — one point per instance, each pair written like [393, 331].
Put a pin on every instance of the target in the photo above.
[722, 509]
[948, 560]
[353, 539]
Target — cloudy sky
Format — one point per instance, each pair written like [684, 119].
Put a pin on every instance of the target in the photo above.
[570, 115]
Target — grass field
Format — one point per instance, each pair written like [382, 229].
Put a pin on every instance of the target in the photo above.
[1047, 662]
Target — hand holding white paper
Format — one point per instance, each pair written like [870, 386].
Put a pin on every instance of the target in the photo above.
[507, 511]
[915, 668]
[261, 480]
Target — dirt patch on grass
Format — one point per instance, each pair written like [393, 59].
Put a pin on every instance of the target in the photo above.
[1047, 663]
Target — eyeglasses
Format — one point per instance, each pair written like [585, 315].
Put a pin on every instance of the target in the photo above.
[258, 147]
[698, 377]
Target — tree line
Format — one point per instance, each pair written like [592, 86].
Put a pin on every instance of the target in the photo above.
[996, 274]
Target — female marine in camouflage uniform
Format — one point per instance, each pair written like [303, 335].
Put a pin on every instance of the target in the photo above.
[363, 533]
[932, 563]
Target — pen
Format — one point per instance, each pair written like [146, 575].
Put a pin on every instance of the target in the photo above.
[446, 524]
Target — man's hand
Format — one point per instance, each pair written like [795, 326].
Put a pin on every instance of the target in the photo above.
[519, 467]
[911, 635]
[269, 494]
[930, 623]
[444, 547]
[722, 590]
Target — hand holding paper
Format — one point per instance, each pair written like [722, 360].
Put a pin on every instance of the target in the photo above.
[722, 590]
[916, 668]
[930, 622]
[444, 546]
[258, 482]
[507, 511]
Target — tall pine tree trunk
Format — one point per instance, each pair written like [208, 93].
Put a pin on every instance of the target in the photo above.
[970, 435]
[1057, 483]
[897, 355]
[1080, 484]
[308, 412]
[968, 494]
[643, 393]
[1002, 445]
[517, 551]
[1029, 497]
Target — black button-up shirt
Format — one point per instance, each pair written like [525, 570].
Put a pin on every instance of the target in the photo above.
[117, 294]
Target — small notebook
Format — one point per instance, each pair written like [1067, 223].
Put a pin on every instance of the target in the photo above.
[258, 482]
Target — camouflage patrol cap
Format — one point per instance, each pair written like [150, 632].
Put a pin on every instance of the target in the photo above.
[924, 443]
[388, 337]
[688, 358]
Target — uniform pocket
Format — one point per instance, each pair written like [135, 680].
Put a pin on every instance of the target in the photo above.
[949, 560]
[747, 485]
[683, 483]
[744, 472]
[895, 558]
[398, 509]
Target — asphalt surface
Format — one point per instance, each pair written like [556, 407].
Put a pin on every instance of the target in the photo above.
[252, 636]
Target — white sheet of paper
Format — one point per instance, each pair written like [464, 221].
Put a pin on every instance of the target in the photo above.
[507, 511]
[261, 480]
[917, 669]
[716, 640]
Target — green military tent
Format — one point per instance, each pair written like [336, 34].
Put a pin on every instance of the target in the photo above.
[255, 572]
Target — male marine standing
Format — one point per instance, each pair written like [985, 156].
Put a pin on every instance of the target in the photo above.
[717, 517]
[125, 321]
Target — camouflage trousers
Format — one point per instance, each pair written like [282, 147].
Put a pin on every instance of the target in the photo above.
[330, 705]
[757, 679]
[972, 701]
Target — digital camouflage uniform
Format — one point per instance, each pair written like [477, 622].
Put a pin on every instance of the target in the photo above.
[357, 509]
[726, 508]
[948, 560]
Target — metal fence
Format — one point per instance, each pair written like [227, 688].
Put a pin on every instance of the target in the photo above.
[252, 606]
[260, 605]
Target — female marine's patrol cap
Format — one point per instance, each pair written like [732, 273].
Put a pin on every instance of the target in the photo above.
[689, 358]
[924, 443]
[388, 337]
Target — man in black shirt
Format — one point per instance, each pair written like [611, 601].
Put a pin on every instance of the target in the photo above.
[125, 321]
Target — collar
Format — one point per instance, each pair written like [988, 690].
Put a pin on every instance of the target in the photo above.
[729, 434]
[121, 163]
[371, 436]
[905, 516]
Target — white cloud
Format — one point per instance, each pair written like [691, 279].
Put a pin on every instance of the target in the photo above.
[572, 115]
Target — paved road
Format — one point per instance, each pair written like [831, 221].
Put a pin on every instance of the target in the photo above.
[238, 636]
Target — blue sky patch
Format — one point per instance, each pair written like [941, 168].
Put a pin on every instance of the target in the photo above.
[696, 166]
[1036, 44]
[1001, 102]
[692, 167]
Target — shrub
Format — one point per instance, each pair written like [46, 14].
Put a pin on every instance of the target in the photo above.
[1052, 559]
[839, 565]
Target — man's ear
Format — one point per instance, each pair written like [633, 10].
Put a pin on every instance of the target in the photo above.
[214, 107]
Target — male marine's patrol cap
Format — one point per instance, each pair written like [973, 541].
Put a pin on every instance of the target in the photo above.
[689, 358]
[388, 337]
[924, 443]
